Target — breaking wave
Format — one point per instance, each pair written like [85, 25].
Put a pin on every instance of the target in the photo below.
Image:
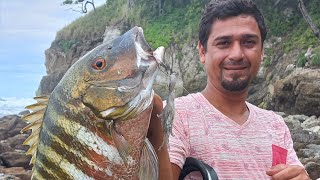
[13, 105]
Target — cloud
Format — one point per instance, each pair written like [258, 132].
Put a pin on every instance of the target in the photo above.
[33, 19]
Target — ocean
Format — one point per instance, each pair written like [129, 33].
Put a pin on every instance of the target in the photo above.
[13, 105]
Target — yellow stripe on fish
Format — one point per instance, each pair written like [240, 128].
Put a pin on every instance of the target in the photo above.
[65, 148]
[87, 138]
[46, 168]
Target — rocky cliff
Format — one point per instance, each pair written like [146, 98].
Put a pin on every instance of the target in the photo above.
[281, 86]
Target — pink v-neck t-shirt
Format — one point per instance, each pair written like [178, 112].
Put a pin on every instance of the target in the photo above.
[234, 151]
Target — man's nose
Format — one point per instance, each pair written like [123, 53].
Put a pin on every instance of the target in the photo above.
[236, 52]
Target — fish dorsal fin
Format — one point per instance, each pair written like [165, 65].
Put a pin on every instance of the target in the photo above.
[149, 169]
[35, 120]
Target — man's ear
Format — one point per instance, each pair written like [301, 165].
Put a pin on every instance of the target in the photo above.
[202, 53]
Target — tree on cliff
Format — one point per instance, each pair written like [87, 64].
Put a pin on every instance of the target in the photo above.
[81, 5]
[307, 17]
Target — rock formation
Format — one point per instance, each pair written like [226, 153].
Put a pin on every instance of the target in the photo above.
[298, 93]
[14, 164]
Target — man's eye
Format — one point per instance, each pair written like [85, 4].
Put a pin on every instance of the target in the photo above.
[249, 43]
[223, 44]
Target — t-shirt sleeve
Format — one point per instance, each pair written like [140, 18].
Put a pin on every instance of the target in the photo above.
[292, 158]
[179, 147]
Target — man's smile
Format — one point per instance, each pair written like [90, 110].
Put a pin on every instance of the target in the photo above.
[235, 67]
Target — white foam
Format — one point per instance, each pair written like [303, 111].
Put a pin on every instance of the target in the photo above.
[13, 105]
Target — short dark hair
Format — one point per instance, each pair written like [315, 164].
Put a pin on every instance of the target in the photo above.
[221, 9]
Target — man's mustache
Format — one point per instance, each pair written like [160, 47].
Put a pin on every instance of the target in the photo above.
[236, 63]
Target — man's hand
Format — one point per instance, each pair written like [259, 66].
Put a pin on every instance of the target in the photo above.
[285, 172]
[155, 135]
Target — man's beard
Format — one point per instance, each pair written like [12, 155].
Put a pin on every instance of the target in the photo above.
[236, 84]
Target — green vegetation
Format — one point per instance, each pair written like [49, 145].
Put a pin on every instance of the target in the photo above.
[176, 27]
[315, 60]
[93, 24]
[263, 105]
[301, 35]
[267, 60]
[65, 45]
[177, 23]
[301, 60]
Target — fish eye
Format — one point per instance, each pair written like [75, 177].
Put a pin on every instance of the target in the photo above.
[99, 64]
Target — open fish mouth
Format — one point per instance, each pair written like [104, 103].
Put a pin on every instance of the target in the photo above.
[144, 50]
[147, 58]
[140, 81]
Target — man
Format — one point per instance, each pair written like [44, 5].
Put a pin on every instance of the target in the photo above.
[218, 126]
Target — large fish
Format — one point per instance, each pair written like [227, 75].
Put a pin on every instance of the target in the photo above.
[94, 123]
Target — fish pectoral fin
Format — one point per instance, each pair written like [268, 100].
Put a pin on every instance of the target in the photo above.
[121, 144]
[149, 169]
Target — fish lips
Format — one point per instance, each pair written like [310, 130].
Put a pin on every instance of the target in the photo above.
[142, 44]
[139, 38]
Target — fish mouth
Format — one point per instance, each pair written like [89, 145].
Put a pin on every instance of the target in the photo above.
[144, 50]
[147, 59]
[140, 39]
[147, 66]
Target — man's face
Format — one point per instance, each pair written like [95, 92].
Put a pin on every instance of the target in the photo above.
[234, 52]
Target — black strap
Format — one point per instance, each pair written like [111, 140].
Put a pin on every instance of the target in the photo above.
[193, 164]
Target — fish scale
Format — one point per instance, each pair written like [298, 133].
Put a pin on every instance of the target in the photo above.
[67, 131]
[94, 124]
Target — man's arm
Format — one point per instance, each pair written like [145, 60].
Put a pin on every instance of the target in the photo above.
[167, 170]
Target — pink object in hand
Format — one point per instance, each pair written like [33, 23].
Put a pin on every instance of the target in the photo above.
[279, 155]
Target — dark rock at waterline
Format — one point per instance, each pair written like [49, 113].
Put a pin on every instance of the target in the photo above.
[22, 113]
[15, 159]
[14, 164]
[10, 126]
[14, 173]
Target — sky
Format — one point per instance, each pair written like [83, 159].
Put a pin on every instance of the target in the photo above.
[27, 29]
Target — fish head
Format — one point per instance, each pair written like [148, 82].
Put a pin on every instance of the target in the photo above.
[117, 72]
